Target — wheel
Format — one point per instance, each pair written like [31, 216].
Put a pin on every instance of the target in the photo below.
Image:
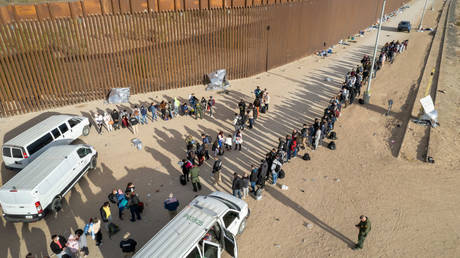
[85, 131]
[93, 163]
[242, 226]
[56, 205]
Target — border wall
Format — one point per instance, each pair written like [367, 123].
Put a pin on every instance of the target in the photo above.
[51, 62]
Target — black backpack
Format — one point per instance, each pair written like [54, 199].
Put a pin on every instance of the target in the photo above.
[306, 156]
[281, 174]
[361, 101]
[333, 136]
[331, 145]
[183, 181]
[277, 168]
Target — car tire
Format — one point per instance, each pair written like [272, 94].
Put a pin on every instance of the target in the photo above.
[85, 130]
[242, 226]
[56, 205]
[93, 163]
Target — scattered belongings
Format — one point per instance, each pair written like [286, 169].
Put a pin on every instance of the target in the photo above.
[137, 143]
[430, 115]
[217, 80]
[390, 103]
[118, 95]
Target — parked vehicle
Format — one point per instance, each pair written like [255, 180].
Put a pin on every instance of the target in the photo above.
[55, 130]
[204, 228]
[404, 26]
[41, 185]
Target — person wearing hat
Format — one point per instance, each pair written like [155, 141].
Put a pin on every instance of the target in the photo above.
[171, 205]
[128, 245]
[364, 228]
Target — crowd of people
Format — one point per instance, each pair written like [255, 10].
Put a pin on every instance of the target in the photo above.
[165, 110]
[197, 152]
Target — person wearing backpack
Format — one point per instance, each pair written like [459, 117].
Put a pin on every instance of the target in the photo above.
[216, 170]
[122, 203]
[128, 245]
[236, 185]
[275, 168]
[238, 140]
[134, 121]
[106, 214]
[242, 107]
[186, 166]
[133, 203]
[245, 185]
[171, 205]
[211, 103]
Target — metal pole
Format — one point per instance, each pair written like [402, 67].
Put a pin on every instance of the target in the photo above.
[423, 14]
[367, 93]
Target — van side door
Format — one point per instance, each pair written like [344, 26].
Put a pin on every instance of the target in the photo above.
[76, 127]
[66, 133]
[84, 158]
[211, 249]
[230, 244]
[231, 221]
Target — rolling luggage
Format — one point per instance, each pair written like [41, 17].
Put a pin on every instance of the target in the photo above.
[183, 181]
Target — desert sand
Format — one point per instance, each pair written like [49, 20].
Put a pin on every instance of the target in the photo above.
[413, 206]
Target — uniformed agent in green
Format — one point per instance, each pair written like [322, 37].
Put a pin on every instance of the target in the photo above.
[364, 228]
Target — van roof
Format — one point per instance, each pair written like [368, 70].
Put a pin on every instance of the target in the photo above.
[182, 232]
[40, 168]
[38, 130]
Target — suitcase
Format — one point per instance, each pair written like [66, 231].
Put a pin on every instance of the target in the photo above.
[281, 174]
[183, 181]
[331, 145]
[113, 229]
[141, 207]
[306, 156]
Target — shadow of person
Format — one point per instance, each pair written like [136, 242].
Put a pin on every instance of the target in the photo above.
[10, 241]
[275, 193]
[35, 240]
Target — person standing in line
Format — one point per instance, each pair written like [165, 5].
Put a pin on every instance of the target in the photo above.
[216, 170]
[195, 174]
[199, 110]
[134, 123]
[253, 178]
[266, 99]
[364, 226]
[122, 203]
[245, 185]
[176, 106]
[128, 246]
[58, 245]
[236, 186]
[153, 110]
[228, 142]
[82, 243]
[317, 138]
[186, 166]
[250, 118]
[144, 115]
[171, 205]
[242, 107]
[99, 119]
[275, 169]
[238, 140]
[94, 229]
[133, 204]
[211, 103]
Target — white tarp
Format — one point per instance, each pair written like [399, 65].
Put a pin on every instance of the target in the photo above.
[430, 113]
[119, 95]
[218, 80]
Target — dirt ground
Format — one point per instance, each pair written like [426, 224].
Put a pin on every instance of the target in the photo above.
[413, 206]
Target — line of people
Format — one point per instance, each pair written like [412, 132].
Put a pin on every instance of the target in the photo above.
[164, 110]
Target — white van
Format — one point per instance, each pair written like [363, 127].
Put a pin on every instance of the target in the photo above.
[58, 129]
[206, 227]
[41, 185]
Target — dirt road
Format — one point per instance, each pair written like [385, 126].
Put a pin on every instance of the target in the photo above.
[413, 206]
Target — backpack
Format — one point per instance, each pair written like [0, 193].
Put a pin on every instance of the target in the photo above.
[333, 136]
[277, 168]
[113, 229]
[209, 138]
[331, 145]
[140, 207]
[217, 166]
[306, 156]
[281, 174]
[361, 101]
